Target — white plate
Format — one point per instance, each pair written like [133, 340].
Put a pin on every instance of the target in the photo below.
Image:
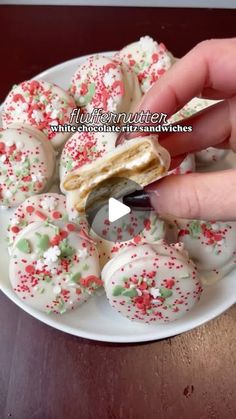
[96, 319]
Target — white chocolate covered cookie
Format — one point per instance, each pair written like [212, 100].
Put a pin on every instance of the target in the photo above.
[148, 59]
[141, 160]
[152, 283]
[211, 245]
[152, 230]
[211, 154]
[27, 163]
[54, 268]
[39, 104]
[83, 148]
[44, 207]
[100, 82]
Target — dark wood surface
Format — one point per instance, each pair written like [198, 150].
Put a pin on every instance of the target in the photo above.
[47, 374]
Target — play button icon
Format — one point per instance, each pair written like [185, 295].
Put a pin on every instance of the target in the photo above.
[116, 210]
[108, 216]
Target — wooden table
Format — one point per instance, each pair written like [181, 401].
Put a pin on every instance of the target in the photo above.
[47, 374]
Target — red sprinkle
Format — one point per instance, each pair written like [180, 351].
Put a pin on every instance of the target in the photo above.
[29, 269]
[56, 215]
[30, 209]
[63, 234]
[40, 215]
[71, 227]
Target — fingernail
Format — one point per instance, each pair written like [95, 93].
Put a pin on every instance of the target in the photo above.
[121, 138]
[138, 201]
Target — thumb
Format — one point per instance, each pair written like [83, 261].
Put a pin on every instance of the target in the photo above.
[206, 196]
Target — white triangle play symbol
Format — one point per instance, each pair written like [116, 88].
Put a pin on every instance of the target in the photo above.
[116, 210]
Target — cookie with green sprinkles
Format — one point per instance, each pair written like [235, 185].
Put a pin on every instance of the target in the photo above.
[211, 244]
[152, 283]
[100, 82]
[27, 163]
[148, 59]
[44, 207]
[54, 267]
[41, 105]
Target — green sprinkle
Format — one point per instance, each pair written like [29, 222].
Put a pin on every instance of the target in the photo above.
[66, 249]
[8, 182]
[131, 292]
[165, 292]
[24, 246]
[43, 241]
[86, 267]
[195, 229]
[88, 97]
[117, 290]
[69, 165]
[76, 277]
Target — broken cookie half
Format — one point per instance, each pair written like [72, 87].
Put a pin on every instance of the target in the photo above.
[141, 160]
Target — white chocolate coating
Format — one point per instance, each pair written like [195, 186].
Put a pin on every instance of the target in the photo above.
[102, 83]
[39, 104]
[83, 148]
[152, 283]
[53, 268]
[187, 166]
[27, 163]
[148, 59]
[142, 160]
[211, 245]
[211, 154]
[44, 207]
[153, 230]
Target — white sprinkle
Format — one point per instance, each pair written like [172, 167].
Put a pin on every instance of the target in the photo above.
[52, 254]
[53, 123]
[8, 194]
[37, 116]
[155, 292]
[9, 143]
[3, 158]
[19, 145]
[57, 290]
[55, 113]
[215, 227]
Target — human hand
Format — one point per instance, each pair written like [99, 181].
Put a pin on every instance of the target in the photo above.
[208, 70]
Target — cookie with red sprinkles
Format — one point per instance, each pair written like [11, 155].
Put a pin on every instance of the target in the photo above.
[44, 207]
[113, 239]
[27, 162]
[53, 267]
[41, 105]
[210, 155]
[83, 148]
[152, 283]
[148, 59]
[100, 82]
[211, 244]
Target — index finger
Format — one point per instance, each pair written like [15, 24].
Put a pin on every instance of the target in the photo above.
[210, 66]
